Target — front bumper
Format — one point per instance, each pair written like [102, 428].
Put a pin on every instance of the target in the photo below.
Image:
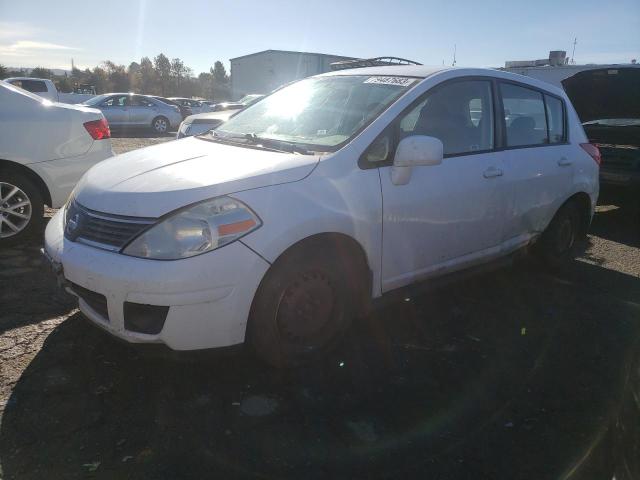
[208, 296]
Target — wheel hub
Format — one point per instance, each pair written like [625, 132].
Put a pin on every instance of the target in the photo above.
[15, 210]
[306, 308]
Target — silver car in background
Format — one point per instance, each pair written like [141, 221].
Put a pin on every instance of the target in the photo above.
[132, 110]
[196, 106]
[202, 122]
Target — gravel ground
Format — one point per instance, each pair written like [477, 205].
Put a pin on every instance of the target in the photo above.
[517, 370]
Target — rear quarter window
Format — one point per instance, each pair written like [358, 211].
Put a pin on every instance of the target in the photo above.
[34, 86]
[555, 116]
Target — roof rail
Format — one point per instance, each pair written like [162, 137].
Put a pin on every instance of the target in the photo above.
[371, 62]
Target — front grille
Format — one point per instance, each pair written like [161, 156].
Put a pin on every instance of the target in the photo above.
[96, 301]
[102, 230]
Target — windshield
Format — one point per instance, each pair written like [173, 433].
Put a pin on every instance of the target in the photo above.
[320, 112]
[95, 100]
[247, 99]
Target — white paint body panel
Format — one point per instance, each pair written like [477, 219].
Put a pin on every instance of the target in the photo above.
[49, 138]
[447, 217]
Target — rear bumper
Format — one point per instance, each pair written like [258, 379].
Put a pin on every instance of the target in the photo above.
[61, 175]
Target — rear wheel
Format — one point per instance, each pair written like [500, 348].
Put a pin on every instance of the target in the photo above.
[302, 308]
[21, 208]
[160, 125]
[557, 244]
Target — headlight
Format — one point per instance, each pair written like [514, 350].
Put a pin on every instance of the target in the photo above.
[194, 230]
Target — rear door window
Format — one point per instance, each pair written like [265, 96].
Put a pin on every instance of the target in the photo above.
[524, 116]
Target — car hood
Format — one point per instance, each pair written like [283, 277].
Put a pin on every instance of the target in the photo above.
[224, 116]
[605, 93]
[153, 181]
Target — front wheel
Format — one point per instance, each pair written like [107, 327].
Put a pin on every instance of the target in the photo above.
[21, 208]
[160, 125]
[302, 308]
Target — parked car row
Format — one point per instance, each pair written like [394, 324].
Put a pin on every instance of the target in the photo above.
[203, 122]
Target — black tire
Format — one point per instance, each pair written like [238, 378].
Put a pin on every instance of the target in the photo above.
[304, 305]
[557, 245]
[160, 125]
[36, 209]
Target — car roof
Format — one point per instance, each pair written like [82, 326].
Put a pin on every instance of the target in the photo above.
[25, 78]
[421, 71]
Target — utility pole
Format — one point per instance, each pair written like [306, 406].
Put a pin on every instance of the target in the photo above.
[573, 54]
[454, 55]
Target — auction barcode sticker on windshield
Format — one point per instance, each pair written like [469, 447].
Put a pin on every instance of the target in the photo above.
[400, 81]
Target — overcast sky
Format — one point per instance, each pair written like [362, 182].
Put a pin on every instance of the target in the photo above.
[486, 32]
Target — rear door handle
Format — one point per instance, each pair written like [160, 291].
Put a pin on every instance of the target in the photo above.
[564, 162]
[492, 172]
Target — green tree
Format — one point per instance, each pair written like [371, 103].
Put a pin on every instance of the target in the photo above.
[64, 84]
[219, 73]
[118, 79]
[3, 72]
[206, 83]
[148, 77]
[133, 72]
[41, 72]
[162, 66]
[99, 78]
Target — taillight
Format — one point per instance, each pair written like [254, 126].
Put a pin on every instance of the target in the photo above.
[98, 129]
[593, 151]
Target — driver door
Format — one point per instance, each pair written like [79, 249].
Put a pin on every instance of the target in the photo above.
[447, 216]
[115, 110]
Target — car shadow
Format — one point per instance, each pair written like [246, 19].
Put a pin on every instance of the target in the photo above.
[514, 371]
[620, 224]
[28, 288]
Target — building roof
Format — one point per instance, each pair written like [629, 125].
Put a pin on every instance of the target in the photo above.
[292, 52]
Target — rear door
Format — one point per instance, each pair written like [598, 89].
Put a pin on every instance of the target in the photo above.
[141, 110]
[448, 215]
[539, 159]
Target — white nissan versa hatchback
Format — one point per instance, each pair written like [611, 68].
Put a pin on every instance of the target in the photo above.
[280, 225]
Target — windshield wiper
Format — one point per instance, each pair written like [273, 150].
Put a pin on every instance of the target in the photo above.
[253, 140]
[283, 145]
[245, 140]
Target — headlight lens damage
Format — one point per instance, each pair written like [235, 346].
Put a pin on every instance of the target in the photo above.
[194, 230]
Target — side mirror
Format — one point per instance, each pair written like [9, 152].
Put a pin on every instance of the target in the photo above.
[415, 151]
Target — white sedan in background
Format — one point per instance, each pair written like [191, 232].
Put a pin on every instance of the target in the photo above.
[202, 122]
[45, 148]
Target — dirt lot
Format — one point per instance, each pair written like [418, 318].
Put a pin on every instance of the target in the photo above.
[512, 374]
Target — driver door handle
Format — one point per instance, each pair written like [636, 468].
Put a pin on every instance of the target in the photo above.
[492, 172]
[564, 162]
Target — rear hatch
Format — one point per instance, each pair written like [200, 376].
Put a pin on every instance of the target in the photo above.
[607, 101]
